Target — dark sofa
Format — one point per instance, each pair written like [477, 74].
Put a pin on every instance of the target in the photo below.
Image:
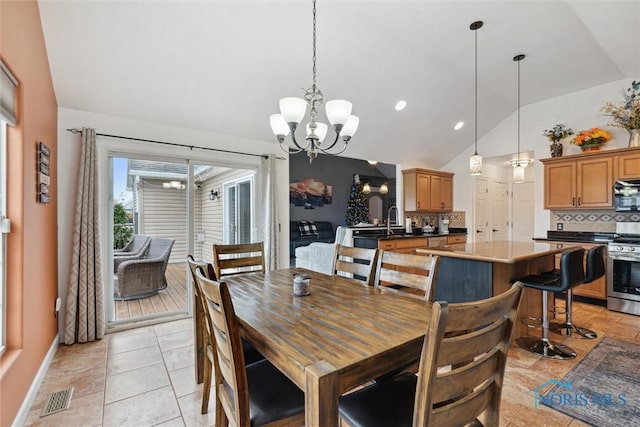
[326, 234]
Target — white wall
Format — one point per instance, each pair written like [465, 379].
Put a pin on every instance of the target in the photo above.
[578, 110]
[69, 154]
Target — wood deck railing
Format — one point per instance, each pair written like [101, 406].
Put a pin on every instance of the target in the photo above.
[174, 297]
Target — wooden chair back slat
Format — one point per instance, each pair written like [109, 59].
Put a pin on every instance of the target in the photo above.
[231, 377]
[408, 271]
[248, 257]
[356, 261]
[465, 410]
[472, 340]
[456, 382]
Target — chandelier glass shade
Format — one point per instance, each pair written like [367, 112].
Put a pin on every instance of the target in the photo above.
[475, 161]
[293, 111]
[384, 189]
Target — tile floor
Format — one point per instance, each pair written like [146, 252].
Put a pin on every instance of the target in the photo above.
[145, 377]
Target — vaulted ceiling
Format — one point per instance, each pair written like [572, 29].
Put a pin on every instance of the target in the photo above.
[222, 66]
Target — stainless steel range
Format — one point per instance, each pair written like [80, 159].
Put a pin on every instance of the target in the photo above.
[623, 269]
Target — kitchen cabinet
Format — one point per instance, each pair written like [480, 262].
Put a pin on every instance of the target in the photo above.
[584, 182]
[628, 166]
[427, 190]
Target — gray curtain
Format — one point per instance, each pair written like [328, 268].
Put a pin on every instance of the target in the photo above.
[269, 209]
[85, 319]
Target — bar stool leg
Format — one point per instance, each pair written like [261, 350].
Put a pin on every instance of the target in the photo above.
[544, 346]
[568, 327]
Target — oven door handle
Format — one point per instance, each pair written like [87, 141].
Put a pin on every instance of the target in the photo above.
[624, 258]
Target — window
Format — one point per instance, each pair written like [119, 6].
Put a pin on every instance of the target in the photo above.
[3, 212]
[238, 211]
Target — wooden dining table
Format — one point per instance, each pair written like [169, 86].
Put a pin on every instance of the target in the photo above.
[340, 336]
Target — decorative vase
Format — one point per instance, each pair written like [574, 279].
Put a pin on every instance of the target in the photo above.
[634, 138]
[590, 148]
[556, 149]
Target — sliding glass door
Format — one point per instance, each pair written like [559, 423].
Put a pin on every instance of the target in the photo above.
[160, 211]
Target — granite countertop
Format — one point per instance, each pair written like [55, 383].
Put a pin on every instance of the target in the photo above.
[576, 236]
[408, 236]
[504, 252]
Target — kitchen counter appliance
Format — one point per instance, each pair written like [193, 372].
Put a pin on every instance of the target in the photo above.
[623, 269]
[626, 195]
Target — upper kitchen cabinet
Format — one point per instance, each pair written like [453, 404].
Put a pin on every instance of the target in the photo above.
[583, 182]
[427, 190]
[628, 165]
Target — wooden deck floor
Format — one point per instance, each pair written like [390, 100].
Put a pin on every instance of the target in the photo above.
[170, 299]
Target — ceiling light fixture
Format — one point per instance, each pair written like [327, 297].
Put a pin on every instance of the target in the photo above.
[372, 162]
[518, 167]
[458, 126]
[366, 188]
[384, 189]
[400, 105]
[475, 161]
[293, 110]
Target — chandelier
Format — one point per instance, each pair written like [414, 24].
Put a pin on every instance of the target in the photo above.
[293, 110]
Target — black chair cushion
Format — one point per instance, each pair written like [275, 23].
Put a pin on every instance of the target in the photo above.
[383, 404]
[571, 273]
[543, 282]
[251, 355]
[271, 395]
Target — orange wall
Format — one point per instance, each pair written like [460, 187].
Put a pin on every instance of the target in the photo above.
[32, 268]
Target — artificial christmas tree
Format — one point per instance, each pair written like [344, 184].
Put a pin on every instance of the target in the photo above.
[357, 206]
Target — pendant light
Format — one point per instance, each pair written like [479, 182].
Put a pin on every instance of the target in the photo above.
[518, 166]
[475, 161]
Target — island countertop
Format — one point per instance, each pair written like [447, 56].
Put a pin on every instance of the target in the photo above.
[504, 252]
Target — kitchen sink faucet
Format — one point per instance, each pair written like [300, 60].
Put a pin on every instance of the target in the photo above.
[389, 231]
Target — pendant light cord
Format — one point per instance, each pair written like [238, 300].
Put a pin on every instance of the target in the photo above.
[518, 158]
[475, 123]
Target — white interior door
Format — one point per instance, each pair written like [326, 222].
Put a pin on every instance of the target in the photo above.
[481, 211]
[499, 210]
[522, 212]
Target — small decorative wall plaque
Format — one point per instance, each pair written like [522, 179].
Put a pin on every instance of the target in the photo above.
[44, 172]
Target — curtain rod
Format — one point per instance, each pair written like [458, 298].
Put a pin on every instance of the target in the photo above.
[175, 144]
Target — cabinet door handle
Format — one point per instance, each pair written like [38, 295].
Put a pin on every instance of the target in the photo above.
[578, 201]
[495, 231]
[478, 231]
[418, 205]
[573, 201]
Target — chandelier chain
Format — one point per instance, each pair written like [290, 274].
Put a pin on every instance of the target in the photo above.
[314, 45]
[518, 155]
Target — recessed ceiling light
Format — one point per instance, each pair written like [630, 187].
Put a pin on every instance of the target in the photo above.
[372, 162]
[458, 125]
[400, 105]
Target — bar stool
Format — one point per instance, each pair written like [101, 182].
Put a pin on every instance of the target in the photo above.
[571, 274]
[595, 269]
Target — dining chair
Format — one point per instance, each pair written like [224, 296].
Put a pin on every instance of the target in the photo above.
[250, 353]
[461, 370]
[359, 263]
[237, 259]
[254, 395]
[415, 274]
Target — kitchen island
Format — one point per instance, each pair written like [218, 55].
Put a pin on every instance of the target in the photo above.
[480, 270]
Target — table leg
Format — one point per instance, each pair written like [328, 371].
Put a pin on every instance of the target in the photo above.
[321, 396]
[198, 353]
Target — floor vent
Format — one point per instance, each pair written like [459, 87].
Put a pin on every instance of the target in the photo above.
[58, 401]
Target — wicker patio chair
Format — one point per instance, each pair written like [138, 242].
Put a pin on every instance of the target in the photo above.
[141, 278]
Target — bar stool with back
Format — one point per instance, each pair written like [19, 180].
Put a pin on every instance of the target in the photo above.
[595, 270]
[571, 274]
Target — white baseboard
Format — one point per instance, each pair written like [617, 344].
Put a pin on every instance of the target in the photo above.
[21, 417]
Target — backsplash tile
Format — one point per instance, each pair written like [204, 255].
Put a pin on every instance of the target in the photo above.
[596, 220]
[456, 219]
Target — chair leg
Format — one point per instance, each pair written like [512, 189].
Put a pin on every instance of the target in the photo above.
[568, 327]
[206, 391]
[544, 346]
